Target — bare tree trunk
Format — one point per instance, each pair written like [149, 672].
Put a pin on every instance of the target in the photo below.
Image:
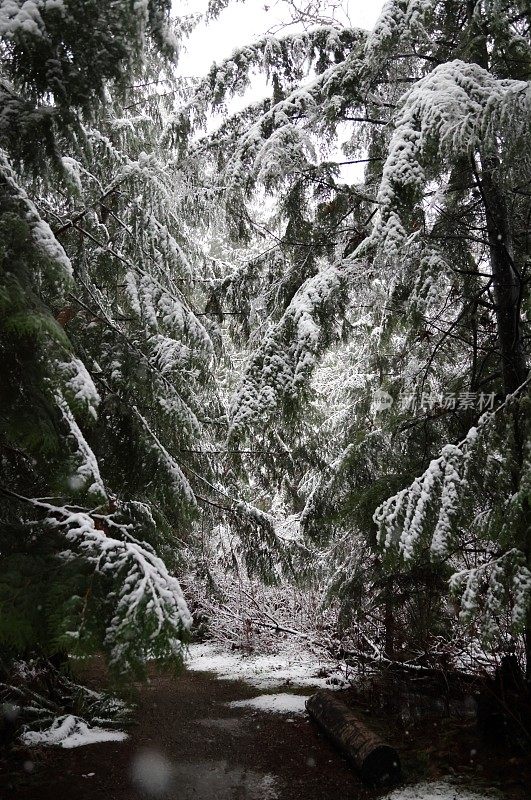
[389, 621]
[508, 288]
[506, 279]
[508, 285]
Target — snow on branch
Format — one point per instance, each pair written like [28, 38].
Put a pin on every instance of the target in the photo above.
[149, 612]
[87, 473]
[457, 108]
[168, 354]
[406, 24]
[283, 363]
[170, 312]
[71, 731]
[268, 141]
[25, 17]
[41, 232]
[146, 169]
[390, 23]
[339, 65]
[399, 21]
[79, 386]
[433, 507]
[496, 579]
[402, 519]
[283, 152]
[179, 481]
[291, 55]
[253, 154]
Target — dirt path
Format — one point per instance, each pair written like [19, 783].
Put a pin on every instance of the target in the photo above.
[187, 739]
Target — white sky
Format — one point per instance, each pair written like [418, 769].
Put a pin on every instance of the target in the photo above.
[243, 22]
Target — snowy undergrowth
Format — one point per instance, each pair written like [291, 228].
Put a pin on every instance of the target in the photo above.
[293, 665]
[282, 703]
[69, 731]
[440, 790]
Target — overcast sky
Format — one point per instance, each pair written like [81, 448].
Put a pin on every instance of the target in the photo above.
[243, 22]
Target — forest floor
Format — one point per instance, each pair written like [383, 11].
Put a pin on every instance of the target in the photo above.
[190, 743]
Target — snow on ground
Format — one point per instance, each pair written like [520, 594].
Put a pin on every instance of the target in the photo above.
[279, 703]
[69, 731]
[294, 666]
[441, 790]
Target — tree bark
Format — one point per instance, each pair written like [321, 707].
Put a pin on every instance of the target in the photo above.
[506, 279]
[508, 285]
[389, 621]
[378, 762]
[508, 288]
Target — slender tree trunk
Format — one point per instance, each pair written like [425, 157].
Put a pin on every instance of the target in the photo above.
[389, 622]
[508, 286]
[506, 280]
[527, 633]
[505, 275]
[508, 289]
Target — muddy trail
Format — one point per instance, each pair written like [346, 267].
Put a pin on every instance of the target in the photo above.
[195, 737]
[188, 743]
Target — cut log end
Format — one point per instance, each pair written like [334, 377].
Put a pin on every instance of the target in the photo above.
[381, 767]
[377, 762]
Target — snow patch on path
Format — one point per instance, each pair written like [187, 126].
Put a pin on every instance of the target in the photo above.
[278, 703]
[69, 731]
[295, 667]
[441, 790]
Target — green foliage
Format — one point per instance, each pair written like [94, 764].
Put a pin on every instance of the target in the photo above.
[164, 292]
[388, 282]
[106, 368]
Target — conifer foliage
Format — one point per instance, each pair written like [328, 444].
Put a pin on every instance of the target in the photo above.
[409, 283]
[105, 365]
[307, 320]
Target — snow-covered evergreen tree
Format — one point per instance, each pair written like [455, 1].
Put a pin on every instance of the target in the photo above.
[107, 392]
[289, 315]
[411, 278]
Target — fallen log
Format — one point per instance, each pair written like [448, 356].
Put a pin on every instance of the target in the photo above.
[378, 762]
